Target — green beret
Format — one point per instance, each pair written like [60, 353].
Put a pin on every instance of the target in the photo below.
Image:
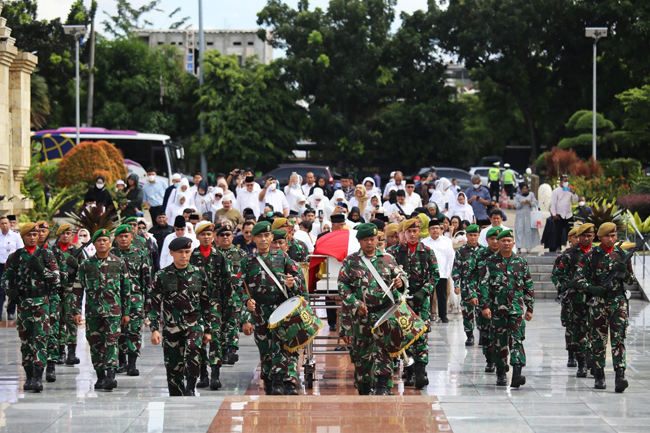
[261, 227]
[101, 233]
[366, 230]
[505, 234]
[181, 243]
[494, 231]
[473, 228]
[279, 234]
[130, 220]
[124, 228]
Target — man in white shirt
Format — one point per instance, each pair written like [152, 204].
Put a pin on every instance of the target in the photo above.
[496, 218]
[196, 178]
[10, 241]
[248, 197]
[397, 181]
[561, 199]
[444, 249]
[412, 197]
[402, 206]
[180, 230]
[272, 195]
[310, 181]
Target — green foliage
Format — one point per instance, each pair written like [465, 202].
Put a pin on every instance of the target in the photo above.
[600, 187]
[641, 185]
[605, 211]
[627, 168]
[129, 17]
[579, 129]
[40, 101]
[636, 123]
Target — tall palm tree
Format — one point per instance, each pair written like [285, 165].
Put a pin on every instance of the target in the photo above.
[40, 100]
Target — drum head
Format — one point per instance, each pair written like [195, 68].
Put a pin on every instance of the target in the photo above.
[386, 315]
[284, 309]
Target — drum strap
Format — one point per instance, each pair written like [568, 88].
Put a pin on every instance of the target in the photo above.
[378, 278]
[272, 275]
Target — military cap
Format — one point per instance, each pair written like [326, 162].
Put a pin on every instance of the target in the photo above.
[472, 228]
[28, 227]
[223, 228]
[606, 228]
[279, 234]
[280, 222]
[505, 234]
[62, 228]
[366, 230]
[181, 243]
[124, 228]
[413, 222]
[100, 234]
[338, 218]
[179, 221]
[130, 220]
[261, 227]
[573, 232]
[585, 228]
[42, 224]
[494, 231]
[204, 226]
[391, 229]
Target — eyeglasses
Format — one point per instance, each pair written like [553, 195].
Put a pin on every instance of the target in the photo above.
[218, 195]
[410, 186]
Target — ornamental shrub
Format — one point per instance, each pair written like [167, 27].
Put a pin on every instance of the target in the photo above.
[85, 159]
[636, 203]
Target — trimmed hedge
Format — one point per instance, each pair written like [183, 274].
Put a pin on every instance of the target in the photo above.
[89, 159]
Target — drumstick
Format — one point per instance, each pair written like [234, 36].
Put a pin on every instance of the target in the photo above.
[247, 291]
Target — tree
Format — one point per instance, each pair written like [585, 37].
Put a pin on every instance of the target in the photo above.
[129, 17]
[579, 129]
[636, 124]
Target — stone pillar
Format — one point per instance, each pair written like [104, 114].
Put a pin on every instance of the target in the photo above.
[7, 54]
[20, 102]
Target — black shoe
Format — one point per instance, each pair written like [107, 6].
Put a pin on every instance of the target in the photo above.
[470, 338]
[131, 370]
[61, 359]
[72, 355]
[409, 380]
[204, 381]
[582, 368]
[268, 387]
[489, 367]
[620, 383]
[101, 379]
[277, 387]
[50, 371]
[332, 328]
[502, 380]
[11, 317]
[517, 378]
[382, 386]
[37, 383]
[122, 359]
[29, 377]
[480, 338]
[231, 356]
[590, 360]
[599, 383]
[110, 383]
[215, 383]
[190, 385]
[421, 379]
[290, 389]
[444, 320]
[572, 360]
[365, 388]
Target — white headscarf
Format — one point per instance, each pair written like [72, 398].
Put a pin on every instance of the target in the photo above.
[463, 211]
[374, 190]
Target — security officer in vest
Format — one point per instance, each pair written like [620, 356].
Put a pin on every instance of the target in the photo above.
[494, 179]
[509, 181]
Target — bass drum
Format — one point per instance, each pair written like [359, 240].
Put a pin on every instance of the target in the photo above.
[295, 323]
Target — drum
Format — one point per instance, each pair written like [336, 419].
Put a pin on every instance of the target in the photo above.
[398, 328]
[295, 323]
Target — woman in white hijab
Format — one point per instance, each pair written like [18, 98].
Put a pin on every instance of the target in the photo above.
[83, 236]
[176, 208]
[371, 188]
[443, 196]
[184, 189]
[318, 200]
[462, 210]
[216, 199]
[221, 183]
[293, 191]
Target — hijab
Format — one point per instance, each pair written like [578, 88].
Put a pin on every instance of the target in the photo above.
[461, 209]
[363, 200]
[358, 218]
[327, 191]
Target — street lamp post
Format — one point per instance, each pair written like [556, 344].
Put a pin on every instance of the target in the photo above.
[596, 33]
[204, 162]
[77, 31]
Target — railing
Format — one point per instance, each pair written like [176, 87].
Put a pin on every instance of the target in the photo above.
[646, 268]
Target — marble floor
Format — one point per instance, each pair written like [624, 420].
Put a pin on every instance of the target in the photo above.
[459, 398]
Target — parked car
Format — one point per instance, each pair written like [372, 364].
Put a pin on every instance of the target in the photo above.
[463, 177]
[283, 173]
[483, 172]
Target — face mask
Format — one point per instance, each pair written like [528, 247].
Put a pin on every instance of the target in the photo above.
[565, 184]
[525, 194]
[176, 185]
[273, 186]
[152, 178]
[477, 185]
[99, 185]
[431, 190]
[581, 203]
[269, 214]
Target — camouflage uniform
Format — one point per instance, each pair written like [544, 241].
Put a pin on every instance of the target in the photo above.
[31, 293]
[108, 288]
[484, 324]
[559, 279]
[137, 262]
[67, 327]
[298, 250]
[139, 242]
[276, 361]
[232, 304]
[356, 286]
[180, 298]
[609, 313]
[506, 287]
[465, 261]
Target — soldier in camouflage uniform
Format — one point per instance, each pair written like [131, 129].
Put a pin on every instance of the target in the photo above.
[366, 301]
[421, 267]
[262, 296]
[105, 279]
[560, 279]
[392, 235]
[296, 249]
[231, 301]
[137, 262]
[576, 298]
[213, 262]
[609, 313]
[30, 273]
[506, 288]
[180, 298]
[138, 241]
[464, 261]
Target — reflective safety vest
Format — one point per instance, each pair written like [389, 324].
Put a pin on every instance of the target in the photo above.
[493, 174]
[508, 177]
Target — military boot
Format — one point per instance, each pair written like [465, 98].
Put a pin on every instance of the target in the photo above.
[571, 362]
[29, 377]
[110, 383]
[204, 381]
[268, 387]
[410, 376]
[277, 387]
[620, 383]
[590, 362]
[50, 371]
[101, 379]
[61, 359]
[517, 378]
[122, 359]
[489, 363]
[382, 386]
[502, 380]
[72, 355]
[231, 356]
[599, 374]
[480, 338]
[470, 338]
[290, 389]
[190, 386]
[37, 383]
[582, 368]
[421, 379]
[215, 383]
[365, 389]
[131, 370]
